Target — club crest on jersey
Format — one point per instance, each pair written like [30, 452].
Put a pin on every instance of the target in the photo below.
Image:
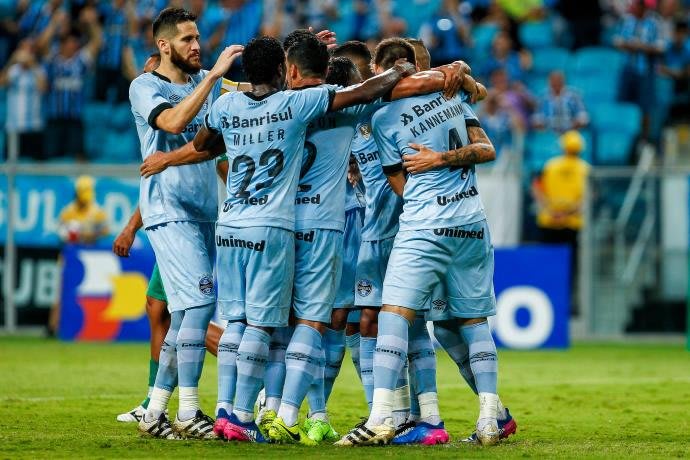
[365, 130]
[364, 288]
[206, 285]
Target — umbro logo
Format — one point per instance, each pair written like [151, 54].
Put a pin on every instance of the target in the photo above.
[439, 303]
[405, 119]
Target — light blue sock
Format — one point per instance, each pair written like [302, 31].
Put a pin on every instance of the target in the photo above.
[401, 404]
[422, 358]
[334, 347]
[366, 365]
[227, 365]
[415, 413]
[390, 357]
[252, 356]
[316, 396]
[302, 366]
[446, 332]
[274, 379]
[483, 359]
[352, 343]
[191, 351]
[166, 377]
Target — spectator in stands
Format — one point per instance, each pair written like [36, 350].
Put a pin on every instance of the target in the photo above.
[447, 34]
[241, 20]
[26, 83]
[138, 49]
[562, 108]
[559, 193]
[499, 121]
[67, 70]
[640, 37]
[584, 21]
[37, 17]
[676, 65]
[119, 22]
[209, 22]
[513, 96]
[503, 56]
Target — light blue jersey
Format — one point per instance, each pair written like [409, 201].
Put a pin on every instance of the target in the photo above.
[321, 194]
[383, 206]
[182, 193]
[445, 197]
[264, 137]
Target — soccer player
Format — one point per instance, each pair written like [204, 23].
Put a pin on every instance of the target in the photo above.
[443, 241]
[264, 132]
[178, 208]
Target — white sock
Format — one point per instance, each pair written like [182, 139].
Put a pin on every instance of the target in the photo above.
[288, 413]
[323, 416]
[224, 405]
[414, 418]
[428, 408]
[244, 417]
[401, 404]
[381, 408]
[488, 406]
[148, 395]
[501, 410]
[273, 403]
[157, 404]
[189, 402]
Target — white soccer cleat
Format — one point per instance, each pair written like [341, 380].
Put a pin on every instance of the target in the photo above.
[198, 427]
[363, 436]
[158, 428]
[488, 433]
[132, 416]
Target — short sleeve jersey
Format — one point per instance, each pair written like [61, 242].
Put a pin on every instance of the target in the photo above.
[383, 206]
[264, 137]
[182, 193]
[439, 198]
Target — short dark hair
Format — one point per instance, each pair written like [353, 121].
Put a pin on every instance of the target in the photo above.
[262, 59]
[295, 37]
[422, 56]
[310, 56]
[168, 19]
[353, 48]
[340, 71]
[392, 49]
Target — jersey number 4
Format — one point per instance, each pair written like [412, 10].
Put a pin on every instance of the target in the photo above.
[271, 155]
[454, 142]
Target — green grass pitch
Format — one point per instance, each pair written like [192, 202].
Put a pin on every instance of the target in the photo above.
[59, 400]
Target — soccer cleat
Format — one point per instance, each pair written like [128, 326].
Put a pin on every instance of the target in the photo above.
[260, 403]
[488, 434]
[265, 419]
[158, 428]
[198, 427]
[235, 430]
[132, 416]
[363, 436]
[506, 427]
[422, 433]
[280, 433]
[319, 430]
[221, 420]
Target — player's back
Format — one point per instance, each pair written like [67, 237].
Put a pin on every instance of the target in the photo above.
[187, 192]
[440, 197]
[264, 137]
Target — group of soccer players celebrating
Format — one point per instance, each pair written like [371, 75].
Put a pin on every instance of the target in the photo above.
[352, 217]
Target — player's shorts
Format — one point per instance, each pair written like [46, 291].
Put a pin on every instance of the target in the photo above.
[371, 271]
[318, 264]
[184, 254]
[460, 260]
[155, 288]
[354, 219]
[255, 268]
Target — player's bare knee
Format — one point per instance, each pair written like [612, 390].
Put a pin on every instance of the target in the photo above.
[407, 313]
[369, 322]
[339, 319]
[319, 326]
[471, 321]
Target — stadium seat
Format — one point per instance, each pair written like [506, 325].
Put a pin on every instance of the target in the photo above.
[537, 85]
[121, 117]
[546, 60]
[588, 153]
[483, 35]
[596, 88]
[614, 148]
[598, 60]
[536, 35]
[616, 117]
[541, 146]
[96, 114]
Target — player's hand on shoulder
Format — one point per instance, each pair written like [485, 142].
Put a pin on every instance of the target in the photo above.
[424, 160]
[405, 67]
[225, 60]
[153, 164]
[455, 76]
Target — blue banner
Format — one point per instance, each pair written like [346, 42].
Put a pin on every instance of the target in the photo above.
[40, 199]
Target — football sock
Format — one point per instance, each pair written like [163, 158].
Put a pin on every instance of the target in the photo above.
[252, 356]
[446, 332]
[366, 364]
[302, 366]
[166, 377]
[153, 370]
[501, 413]
[227, 365]
[352, 344]
[334, 347]
[316, 396]
[401, 397]
[415, 413]
[274, 379]
[191, 351]
[390, 357]
[422, 359]
[484, 365]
